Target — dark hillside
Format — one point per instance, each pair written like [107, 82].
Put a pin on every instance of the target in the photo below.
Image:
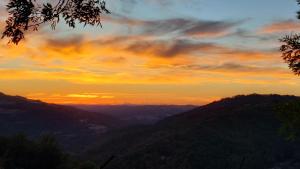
[72, 126]
[239, 132]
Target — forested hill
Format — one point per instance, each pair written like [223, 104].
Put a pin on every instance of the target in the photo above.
[239, 132]
[71, 126]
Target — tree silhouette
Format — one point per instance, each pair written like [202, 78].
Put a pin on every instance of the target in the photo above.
[291, 49]
[289, 113]
[19, 152]
[29, 15]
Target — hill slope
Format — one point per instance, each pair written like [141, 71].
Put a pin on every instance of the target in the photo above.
[239, 132]
[73, 127]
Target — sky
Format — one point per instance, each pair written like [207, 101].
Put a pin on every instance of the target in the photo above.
[156, 52]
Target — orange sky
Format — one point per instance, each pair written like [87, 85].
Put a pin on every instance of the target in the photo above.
[148, 60]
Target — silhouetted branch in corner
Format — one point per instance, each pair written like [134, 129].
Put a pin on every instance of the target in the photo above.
[291, 49]
[29, 15]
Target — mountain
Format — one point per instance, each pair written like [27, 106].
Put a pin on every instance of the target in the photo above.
[138, 114]
[73, 127]
[236, 133]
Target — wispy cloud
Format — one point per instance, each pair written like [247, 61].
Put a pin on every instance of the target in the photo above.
[181, 26]
[171, 49]
[82, 96]
[281, 26]
[236, 67]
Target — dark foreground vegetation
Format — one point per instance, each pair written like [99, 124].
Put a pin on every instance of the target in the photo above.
[18, 152]
[243, 132]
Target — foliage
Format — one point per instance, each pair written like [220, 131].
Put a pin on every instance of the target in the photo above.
[291, 51]
[289, 114]
[45, 153]
[29, 15]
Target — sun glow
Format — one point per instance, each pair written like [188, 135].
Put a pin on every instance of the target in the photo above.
[158, 61]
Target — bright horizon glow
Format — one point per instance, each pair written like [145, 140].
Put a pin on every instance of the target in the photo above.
[156, 52]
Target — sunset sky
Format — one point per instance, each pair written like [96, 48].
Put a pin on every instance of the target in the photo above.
[156, 52]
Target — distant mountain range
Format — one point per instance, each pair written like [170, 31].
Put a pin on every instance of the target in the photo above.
[138, 114]
[233, 133]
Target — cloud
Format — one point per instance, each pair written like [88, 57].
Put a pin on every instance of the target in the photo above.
[3, 15]
[75, 40]
[3, 12]
[82, 96]
[188, 27]
[127, 6]
[236, 67]
[182, 26]
[281, 26]
[115, 51]
[208, 28]
[184, 48]
[136, 45]
[120, 53]
[135, 60]
[113, 60]
[169, 49]
[107, 97]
